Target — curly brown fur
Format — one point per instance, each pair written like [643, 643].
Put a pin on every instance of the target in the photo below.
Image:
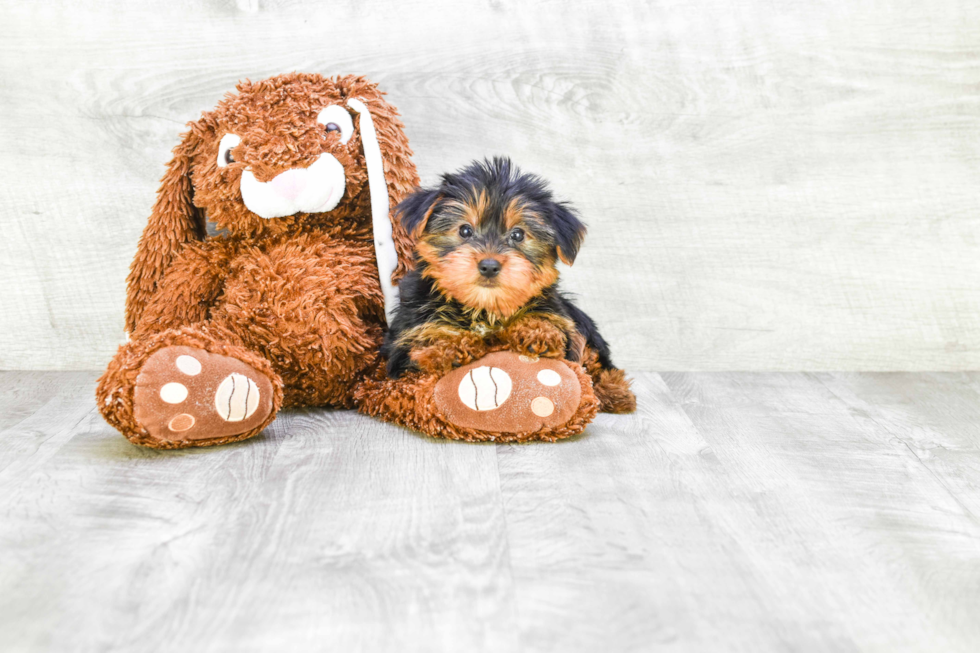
[439, 349]
[489, 240]
[297, 296]
[194, 281]
[612, 388]
[544, 335]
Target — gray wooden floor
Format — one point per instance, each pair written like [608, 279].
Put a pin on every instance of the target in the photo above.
[750, 512]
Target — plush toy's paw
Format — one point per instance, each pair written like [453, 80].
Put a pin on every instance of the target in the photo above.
[505, 392]
[186, 394]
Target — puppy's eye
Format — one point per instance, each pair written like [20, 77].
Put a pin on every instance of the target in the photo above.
[465, 231]
[227, 144]
[517, 234]
[337, 119]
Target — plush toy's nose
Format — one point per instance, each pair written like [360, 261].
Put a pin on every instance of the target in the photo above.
[489, 267]
[316, 189]
[289, 184]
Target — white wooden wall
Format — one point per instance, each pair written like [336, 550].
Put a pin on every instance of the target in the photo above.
[771, 184]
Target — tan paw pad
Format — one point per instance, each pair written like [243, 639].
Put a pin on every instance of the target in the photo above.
[485, 388]
[542, 406]
[173, 393]
[188, 365]
[181, 422]
[549, 377]
[237, 398]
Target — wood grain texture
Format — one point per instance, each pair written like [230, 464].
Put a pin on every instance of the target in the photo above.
[733, 512]
[837, 516]
[772, 186]
[328, 532]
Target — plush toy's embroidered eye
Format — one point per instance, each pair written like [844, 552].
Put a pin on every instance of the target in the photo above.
[465, 231]
[336, 119]
[517, 234]
[227, 144]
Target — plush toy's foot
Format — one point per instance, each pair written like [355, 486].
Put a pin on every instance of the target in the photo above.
[508, 393]
[504, 397]
[185, 394]
[188, 387]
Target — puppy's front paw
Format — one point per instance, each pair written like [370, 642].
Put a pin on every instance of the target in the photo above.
[535, 337]
[434, 359]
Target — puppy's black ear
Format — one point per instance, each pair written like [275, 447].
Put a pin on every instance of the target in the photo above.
[569, 231]
[414, 210]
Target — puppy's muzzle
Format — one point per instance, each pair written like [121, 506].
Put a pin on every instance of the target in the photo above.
[315, 189]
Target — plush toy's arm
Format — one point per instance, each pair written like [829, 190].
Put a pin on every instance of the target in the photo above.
[190, 287]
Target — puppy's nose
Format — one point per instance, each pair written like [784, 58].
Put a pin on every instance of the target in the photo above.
[489, 267]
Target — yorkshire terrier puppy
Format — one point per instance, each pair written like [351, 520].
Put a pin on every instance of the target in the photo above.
[487, 244]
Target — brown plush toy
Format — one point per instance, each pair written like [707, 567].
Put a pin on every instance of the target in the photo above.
[285, 303]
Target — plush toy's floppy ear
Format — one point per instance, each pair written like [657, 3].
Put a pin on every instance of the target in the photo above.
[390, 168]
[569, 231]
[416, 209]
[174, 221]
[384, 244]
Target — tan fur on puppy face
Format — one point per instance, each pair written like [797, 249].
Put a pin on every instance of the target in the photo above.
[471, 211]
[456, 275]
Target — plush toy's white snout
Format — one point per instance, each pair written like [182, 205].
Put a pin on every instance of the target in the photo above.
[315, 189]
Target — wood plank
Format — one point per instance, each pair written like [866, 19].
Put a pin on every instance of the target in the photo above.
[641, 535]
[734, 511]
[22, 393]
[854, 534]
[595, 524]
[44, 423]
[327, 532]
[936, 416]
[769, 186]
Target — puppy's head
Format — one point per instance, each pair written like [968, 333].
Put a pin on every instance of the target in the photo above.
[281, 155]
[489, 236]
